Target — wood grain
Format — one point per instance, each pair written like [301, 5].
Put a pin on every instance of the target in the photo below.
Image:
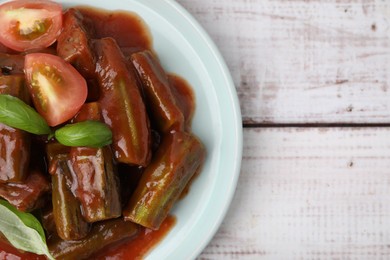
[309, 193]
[301, 61]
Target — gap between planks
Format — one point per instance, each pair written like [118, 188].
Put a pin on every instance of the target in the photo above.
[315, 125]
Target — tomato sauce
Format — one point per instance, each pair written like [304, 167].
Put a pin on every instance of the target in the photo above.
[7, 251]
[138, 247]
[184, 96]
[128, 29]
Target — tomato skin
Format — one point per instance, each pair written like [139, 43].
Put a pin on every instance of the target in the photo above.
[16, 16]
[57, 88]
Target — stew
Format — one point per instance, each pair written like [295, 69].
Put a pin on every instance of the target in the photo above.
[76, 67]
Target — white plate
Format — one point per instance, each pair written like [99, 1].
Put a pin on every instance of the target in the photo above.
[185, 49]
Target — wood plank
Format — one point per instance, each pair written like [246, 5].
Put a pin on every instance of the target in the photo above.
[309, 193]
[302, 61]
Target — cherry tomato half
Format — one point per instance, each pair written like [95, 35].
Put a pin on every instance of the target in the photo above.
[30, 24]
[57, 88]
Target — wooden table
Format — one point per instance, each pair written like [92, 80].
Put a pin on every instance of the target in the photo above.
[313, 79]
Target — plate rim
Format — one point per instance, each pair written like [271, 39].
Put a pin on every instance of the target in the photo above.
[237, 142]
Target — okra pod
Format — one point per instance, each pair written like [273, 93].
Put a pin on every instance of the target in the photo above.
[70, 223]
[157, 90]
[122, 105]
[14, 143]
[54, 152]
[102, 234]
[176, 161]
[27, 195]
[73, 44]
[97, 186]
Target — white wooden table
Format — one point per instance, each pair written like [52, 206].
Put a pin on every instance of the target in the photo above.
[313, 78]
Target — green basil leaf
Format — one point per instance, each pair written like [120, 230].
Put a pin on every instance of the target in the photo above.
[22, 230]
[88, 133]
[15, 113]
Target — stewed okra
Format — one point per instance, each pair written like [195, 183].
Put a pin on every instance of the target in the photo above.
[70, 69]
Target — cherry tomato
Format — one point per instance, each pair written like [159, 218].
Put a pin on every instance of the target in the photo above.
[57, 88]
[30, 24]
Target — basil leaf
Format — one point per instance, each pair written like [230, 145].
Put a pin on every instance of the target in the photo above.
[22, 230]
[15, 113]
[87, 133]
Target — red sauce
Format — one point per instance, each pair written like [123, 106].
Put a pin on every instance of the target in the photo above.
[138, 247]
[128, 29]
[184, 95]
[7, 251]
